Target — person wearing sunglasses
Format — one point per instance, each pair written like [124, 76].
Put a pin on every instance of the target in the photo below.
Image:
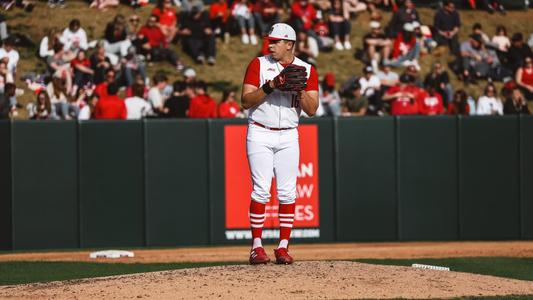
[155, 45]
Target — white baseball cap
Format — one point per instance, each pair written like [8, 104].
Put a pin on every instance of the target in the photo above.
[282, 31]
[415, 24]
[408, 27]
[189, 72]
[375, 24]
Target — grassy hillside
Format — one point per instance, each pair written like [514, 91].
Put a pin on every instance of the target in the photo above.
[233, 58]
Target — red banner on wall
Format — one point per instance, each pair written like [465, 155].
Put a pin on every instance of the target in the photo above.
[238, 182]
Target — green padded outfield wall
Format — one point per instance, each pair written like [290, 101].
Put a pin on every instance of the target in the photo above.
[427, 178]
[6, 230]
[111, 183]
[326, 176]
[217, 189]
[526, 171]
[176, 175]
[366, 179]
[45, 187]
[489, 178]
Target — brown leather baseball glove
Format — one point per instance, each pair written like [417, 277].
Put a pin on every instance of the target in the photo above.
[292, 78]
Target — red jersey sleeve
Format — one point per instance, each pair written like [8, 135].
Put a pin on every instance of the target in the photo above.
[252, 73]
[312, 81]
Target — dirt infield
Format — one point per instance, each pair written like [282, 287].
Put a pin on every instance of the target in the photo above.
[303, 280]
[313, 276]
[302, 252]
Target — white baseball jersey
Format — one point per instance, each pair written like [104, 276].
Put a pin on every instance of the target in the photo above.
[280, 109]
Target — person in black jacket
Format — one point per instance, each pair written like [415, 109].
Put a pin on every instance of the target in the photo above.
[518, 51]
[446, 25]
[440, 81]
[177, 106]
[406, 14]
[516, 104]
[199, 40]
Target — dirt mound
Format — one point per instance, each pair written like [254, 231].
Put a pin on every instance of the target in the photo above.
[303, 280]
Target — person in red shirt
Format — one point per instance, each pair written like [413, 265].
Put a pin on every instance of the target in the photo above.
[524, 78]
[403, 97]
[167, 19]
[228, 108]
[430, 103]
[202, 106]
[101, 88]
[303, 15]
[459, 104]
[111, 106]
[218, 14]
[155, 46]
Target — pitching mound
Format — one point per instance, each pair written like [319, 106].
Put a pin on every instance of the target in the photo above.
[303, 280]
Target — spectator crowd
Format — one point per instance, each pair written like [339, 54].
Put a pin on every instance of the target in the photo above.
[107, 78]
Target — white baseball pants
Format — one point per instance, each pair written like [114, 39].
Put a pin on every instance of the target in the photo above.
[273, 153]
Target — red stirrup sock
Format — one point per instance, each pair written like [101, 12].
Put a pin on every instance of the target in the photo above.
[257, 218]
[286, 219]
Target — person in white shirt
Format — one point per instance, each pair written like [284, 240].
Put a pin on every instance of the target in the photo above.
[156, 94]
[74, 37]
[10, 55]
[501, 39]
[136, 106]
[242, 12]
[46, 47]
[87, 104]
[370, 83]
[57, 93]
[489, 103]
[387, 76]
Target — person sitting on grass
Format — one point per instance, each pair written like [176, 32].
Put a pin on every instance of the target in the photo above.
[242, 11]
[155, 46]
[167, 19]
[198, 37]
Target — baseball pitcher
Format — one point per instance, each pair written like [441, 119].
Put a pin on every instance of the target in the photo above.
[276, 88]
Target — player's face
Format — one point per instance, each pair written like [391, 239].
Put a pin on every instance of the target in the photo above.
[279, 48]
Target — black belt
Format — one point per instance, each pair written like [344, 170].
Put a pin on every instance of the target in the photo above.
[270, 128]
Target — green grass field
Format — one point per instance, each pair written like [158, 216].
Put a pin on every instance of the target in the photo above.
[30, 272]
[509, 267]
